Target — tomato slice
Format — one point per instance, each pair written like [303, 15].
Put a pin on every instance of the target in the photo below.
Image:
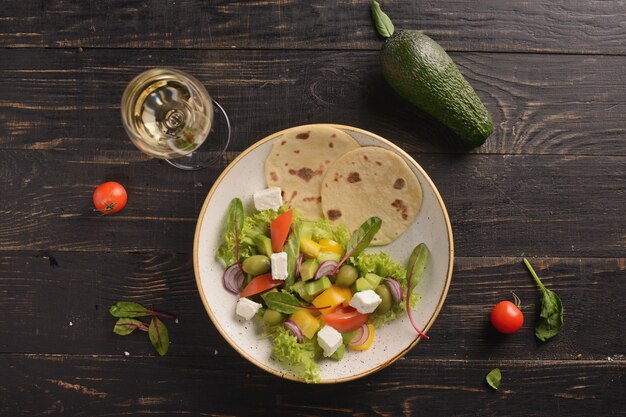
[259, 284]
[345, 319]
[279, 229]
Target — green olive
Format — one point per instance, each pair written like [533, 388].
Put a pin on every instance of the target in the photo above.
[385, 295]
[346, 276]
[256, 265]
[272, 317]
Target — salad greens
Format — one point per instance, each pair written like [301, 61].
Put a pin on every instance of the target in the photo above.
[493, 378]
[254, 225]
[313, 297]
[127, 312]
[551, 317]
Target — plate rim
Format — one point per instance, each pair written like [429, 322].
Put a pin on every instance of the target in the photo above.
[409, 159]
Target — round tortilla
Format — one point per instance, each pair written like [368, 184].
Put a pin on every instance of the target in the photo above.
[299, 160]
[372, 181]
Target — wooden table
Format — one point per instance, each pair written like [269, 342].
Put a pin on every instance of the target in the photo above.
[550, 184]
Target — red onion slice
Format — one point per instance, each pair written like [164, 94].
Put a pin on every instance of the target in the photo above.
[293, 328]
[362, 334]
[395, 289]
[298, 264]
[233, 278]
[325, 268]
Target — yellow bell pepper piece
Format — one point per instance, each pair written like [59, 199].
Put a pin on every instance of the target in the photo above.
[306, 321]
[309, 248]
[328, 245]
[368, 342]
[331, 298]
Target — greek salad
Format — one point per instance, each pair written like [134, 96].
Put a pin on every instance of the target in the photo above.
[312, 285]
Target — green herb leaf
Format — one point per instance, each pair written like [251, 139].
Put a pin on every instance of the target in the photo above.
[361, 238]
[125, 326]
[493, 378]
[234, 221]
[159, 336]
[551, 317]
[283, 302]
[417, 263]
[384, 27]
[127, 309]
[292, 248]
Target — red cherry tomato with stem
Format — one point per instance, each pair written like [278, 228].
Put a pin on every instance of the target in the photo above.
[110, 197]
[507, 317]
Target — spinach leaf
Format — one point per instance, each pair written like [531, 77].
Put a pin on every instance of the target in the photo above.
[384, 27]
[360, 239]
[493, 378]
[551, 317]
[234, 222]
[126, 326]
[127, 309]
[159, 336]
[283, 302]
[417, 263]
[292, 248]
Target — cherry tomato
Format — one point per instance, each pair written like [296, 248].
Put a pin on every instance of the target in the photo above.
[506, 317]
[110, 197]
[279, 229]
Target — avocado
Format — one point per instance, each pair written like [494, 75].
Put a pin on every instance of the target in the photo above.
[423, 73]
[338, 355]
[348, 336]
[363, 284]
[300, 289]
[328, 256]
[263, 244]
[373, 279]
[317, 286]
[308, 269]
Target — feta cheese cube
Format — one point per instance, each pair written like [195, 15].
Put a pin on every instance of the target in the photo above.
[365, 301]
[329, 339]
[246, 308]
[278, 263]
[270, 198]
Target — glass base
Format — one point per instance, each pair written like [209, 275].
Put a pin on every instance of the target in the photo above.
[213, 148]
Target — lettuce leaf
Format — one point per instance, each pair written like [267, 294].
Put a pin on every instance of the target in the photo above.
[300, 358]
[381, 264]
[323, 229]
[258, 223]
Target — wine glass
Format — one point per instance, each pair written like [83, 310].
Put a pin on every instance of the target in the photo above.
[168, 114]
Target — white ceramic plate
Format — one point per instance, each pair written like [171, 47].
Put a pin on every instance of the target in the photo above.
[242, 178]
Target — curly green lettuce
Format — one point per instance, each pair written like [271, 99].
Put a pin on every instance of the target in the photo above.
[300, 358]
[382, 265]
[258, 223]
[323, 229]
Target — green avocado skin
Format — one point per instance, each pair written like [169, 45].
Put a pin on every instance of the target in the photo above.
[423, 73]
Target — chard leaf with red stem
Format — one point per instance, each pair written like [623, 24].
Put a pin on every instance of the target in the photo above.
[360, 240]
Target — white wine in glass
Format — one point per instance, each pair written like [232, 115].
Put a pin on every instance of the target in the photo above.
[168, 114]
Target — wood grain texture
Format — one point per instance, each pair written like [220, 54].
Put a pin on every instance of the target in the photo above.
[64, 309]
[492, 25]
[99, 386]
[65, 100]
[499, 205]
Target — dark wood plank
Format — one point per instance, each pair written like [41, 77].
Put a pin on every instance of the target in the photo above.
[64, 309]
[491, 25]
[140, 386]
[540, 104]
[499, 205]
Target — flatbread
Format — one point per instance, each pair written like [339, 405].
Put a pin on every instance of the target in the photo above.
[372, 181]
[298, 161]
